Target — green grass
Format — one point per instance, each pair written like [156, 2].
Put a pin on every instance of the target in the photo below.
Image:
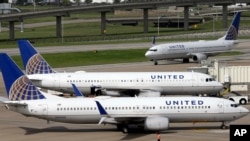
[230, 53]
[89, 33]
[57, 60]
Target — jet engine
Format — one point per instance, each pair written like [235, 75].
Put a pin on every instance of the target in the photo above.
[110, 93]
[156, 123]
[199, 56]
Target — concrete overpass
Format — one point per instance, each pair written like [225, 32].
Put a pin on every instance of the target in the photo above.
[103, 9]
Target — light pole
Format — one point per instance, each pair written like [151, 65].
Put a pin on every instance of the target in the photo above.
[159, 17]
[178, 20]
[62, 30]
[213, 22]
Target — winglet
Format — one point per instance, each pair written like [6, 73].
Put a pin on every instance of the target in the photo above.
[17, 85]
[78, 93]
[33, 62]
[232, 32]
[100, 108]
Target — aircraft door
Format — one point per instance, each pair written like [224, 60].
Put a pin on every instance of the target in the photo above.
[40, 109]
[221, 107]
[56, 81]
[139, 81]
[140, 109]
[195, 80]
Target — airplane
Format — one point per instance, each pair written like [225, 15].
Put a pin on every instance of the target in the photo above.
[114, 83]
[149, 113]
[197, 50]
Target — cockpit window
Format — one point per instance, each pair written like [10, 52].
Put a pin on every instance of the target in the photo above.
[209, 79]
[234, 105]
[153, 49]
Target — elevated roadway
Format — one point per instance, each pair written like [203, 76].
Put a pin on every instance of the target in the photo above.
[134, 4]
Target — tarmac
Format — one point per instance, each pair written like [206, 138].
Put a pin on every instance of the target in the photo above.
[16, 127]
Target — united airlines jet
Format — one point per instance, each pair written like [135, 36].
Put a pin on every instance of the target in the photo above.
[198, 50]
[114, 83]
[150, 113]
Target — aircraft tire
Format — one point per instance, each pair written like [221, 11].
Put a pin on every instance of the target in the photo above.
[155, 63]
[125, 130]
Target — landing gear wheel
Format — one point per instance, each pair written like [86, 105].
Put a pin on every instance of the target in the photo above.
[224, 126]
[185, 60]
[155, 63]
[125, 130]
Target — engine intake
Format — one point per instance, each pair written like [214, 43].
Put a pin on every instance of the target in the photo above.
[199, 56]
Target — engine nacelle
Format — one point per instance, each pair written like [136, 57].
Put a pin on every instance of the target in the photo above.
[199, 56]
[156, 123]
[149, 94]
[110, 93]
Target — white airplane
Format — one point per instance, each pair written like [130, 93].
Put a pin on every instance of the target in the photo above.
[151, 113]
[198, 50]
[114, 83]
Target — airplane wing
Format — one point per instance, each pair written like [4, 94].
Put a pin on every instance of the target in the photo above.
[114, 119]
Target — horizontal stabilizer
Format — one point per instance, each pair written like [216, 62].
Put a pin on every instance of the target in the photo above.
[15, 103]
[3, 99]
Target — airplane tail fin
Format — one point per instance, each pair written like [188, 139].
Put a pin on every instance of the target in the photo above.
[17, 85]
[33, 62]
[153, 40]
[232, 32]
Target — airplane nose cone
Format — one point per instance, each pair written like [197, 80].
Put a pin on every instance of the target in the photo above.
[147, 54]
[244, 110]
[220, 86]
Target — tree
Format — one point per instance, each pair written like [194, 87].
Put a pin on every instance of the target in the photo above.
[88, 1]
[66, 2]
[117, 1]
[3, 1]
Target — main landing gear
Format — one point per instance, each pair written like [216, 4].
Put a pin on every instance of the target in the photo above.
[155, 62]
[224, 125]
[185, 60]
[123, 128]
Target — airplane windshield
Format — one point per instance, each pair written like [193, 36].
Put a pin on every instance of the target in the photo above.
[209, 79]
[234, 105]
[153, 49]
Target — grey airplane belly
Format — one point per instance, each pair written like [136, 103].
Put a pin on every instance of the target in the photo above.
[203, 117]
[189, 90]
[80, 119]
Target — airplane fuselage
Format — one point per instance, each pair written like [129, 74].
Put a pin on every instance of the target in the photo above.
[190, 83]
[189, 49]
[176, 109]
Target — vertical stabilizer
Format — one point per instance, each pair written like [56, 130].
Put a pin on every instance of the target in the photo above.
[232, 32]
[17, 85]
[153, 40]
[33, 62]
